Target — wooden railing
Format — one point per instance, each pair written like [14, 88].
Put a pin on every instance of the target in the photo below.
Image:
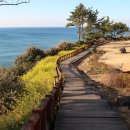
[43, 117]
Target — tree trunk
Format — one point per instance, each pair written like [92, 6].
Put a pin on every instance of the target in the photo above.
[82, 28]
[83, 32]
[79, 32]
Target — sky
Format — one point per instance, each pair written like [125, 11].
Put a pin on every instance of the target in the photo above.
[54, 13]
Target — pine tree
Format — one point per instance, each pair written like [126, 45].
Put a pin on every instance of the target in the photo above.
[77, 19]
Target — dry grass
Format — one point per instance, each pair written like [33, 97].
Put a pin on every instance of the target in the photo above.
[116, 80]
[91, 65]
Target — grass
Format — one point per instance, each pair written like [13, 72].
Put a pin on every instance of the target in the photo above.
[37, 83]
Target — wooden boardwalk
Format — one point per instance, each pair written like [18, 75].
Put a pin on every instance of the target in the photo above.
[81, 106]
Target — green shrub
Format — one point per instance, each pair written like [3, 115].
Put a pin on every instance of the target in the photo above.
[52, 51]
[80, 42]
[10, 90]
[35, 52]
[101, 40]
[65, 46]
[26, 61]
[59, 47]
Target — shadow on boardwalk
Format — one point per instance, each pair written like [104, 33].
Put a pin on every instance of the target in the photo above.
[82, 108]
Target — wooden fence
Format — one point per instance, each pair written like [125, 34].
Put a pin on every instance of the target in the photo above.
[43, 117]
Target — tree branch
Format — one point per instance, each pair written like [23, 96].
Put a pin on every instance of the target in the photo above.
[17, 2]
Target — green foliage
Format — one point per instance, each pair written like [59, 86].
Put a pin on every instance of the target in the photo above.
[119, 28]
[52, 51]
[97, 28]
[65, 46]
[77, 18]
[90, 27]
[69, 24]
[59, 47]
[10, 90]
[104, 27]
[37, 82]
[80, 42]
[26, 61]
[90, 38]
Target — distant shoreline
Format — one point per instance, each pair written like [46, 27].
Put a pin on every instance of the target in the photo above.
[36, 27]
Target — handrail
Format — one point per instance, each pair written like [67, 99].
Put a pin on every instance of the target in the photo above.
[43, 117]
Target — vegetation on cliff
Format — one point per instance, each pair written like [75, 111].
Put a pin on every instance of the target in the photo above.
[26, 83]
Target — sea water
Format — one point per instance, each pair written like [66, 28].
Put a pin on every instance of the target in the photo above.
[14, 41]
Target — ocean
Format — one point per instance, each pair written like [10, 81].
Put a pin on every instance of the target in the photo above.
[14, 41]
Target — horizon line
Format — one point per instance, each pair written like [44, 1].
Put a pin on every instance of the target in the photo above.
[38, 27]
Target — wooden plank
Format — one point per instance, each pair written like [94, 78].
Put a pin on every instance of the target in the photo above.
[93, 127]
[88, 114]
[110, 121]
[67, 101]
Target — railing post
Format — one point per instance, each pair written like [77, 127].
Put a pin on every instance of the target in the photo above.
[55, 80]
[61, 84]
[38, 125]
[57, 71]
[42, 111]
[51, 112]
[33, 123]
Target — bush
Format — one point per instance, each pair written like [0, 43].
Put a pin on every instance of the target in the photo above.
[59, 47]
[35, 53]
[52, 51]
[80, 42]
[64, 46]
[101, 40]
[26, 61]
[115, 80]
[10, 90]
[122, 50]
[128, 37]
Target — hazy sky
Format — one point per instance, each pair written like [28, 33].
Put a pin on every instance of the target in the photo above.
[53, 13]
